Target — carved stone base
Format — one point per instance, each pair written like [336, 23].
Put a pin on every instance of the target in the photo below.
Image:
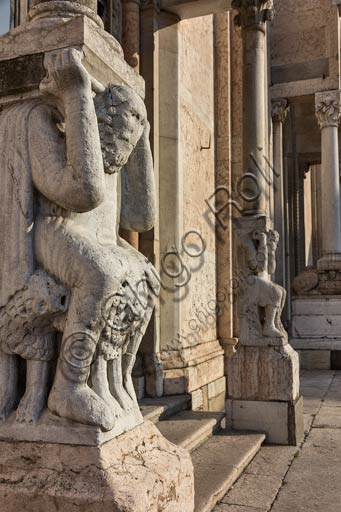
[52, 429]
[136, 472]
[281, 421]
[264, 373]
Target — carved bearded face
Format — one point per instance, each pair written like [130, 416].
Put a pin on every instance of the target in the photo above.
[122, 118]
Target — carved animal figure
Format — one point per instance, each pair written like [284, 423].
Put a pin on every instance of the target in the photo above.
[27, 330]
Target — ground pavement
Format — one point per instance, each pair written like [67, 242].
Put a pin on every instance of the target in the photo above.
[303, 479]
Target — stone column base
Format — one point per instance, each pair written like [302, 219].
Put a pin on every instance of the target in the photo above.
[282, 422]
[138, 471]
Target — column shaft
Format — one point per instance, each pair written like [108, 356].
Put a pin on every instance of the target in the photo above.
[254, 119]
[328, 113]
[331, 234]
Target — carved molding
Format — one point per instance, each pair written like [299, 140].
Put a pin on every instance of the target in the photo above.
[253, 13]
[327, 108]
[280, 109]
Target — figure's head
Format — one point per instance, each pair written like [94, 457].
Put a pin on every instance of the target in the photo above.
[122, 119]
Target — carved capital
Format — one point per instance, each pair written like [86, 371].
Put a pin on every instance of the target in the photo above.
[280, 109]
[253, 13]
[327, 108]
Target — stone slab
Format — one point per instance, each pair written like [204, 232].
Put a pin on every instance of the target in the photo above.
[137, 471]
[52, 429]
[272, 461]
[223, 507]
[103, 57]
[328, 417]
[315, 359]
[314, 477]
[190, 429]
[156, 409]
[316, 343]
[254, 491]
[218, 464]
[281, 421]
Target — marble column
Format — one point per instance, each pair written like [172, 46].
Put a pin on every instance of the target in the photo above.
[328, 113]
[131, 49]
[255, 397]
[279, 113]
[252, 17]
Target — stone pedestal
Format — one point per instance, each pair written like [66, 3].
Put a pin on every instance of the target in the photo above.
[263, 390]
[136, 472]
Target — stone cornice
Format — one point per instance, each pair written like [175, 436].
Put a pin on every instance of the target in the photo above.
[280, 109]
[253, 13]
[327, 108]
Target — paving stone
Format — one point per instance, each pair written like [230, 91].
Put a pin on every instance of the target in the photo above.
[311, 405]
[328, 417]
[237, 508]
[254, 491]
[272, 461]
[308, 420]
[313, 481]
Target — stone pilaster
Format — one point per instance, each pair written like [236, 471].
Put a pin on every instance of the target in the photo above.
[252, 18]
[328, 113]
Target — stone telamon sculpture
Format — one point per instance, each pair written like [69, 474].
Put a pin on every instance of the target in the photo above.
[260, 301]
[64, 267]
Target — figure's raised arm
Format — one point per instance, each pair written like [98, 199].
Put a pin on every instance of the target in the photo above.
[138, 188]
[65, 150]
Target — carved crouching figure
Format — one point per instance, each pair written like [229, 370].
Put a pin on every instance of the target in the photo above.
[260, 301]
[64, 217]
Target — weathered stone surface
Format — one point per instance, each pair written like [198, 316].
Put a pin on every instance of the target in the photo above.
[328, 417]
[263, 373]
[254, 491]
[315, 359]
[189, 429]
[63, 267]
[138, 471]
[272, 461]
[103, 55]
[218, 464]
[317, 468]
[281, 421]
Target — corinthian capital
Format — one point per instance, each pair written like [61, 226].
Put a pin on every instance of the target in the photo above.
[327, 108]
[279, 110]
[253, 12]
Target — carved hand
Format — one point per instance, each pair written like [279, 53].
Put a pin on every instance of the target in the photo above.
[65, 72]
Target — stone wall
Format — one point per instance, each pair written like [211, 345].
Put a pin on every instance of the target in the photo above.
[191, 354]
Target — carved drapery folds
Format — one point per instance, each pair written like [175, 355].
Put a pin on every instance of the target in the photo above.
[253, 13]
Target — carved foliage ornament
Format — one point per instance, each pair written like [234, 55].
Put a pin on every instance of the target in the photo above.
[253, 12]
[280, 110]
[327, 108]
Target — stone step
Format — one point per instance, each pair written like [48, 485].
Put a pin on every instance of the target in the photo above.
[190, 429]
[159, 409]
[219, 463]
